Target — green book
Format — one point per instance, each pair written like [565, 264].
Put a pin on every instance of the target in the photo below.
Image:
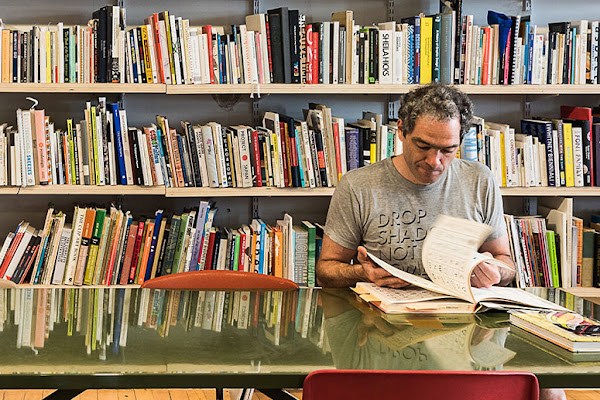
[551, 238]
[236, 252]
[94, 245]
[180, 240]
[312, 240]
[587, 264]
[171, 244]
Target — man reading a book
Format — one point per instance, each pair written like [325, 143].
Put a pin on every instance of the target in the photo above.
[388, 207]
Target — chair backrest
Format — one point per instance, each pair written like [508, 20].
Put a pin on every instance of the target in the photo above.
[421, 385]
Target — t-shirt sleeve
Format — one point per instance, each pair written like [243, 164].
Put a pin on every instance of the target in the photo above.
[494, 209]
[343, 224]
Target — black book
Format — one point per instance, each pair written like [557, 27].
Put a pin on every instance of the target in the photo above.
[31, 61]
[67, 55]
[320, 151]
[25, 260]
[102, 42]
[294, 22]
[191, 156]
[223, 48]
[134, 148]
[280, 40]
[318, 28]
[276, 49]
[165, 152]
[191, 137]
[565, 29]
[226, 136]
[514, 63]
[163, 248]
[142, 59]
[215, 254]
[15, 60]
[262, 148]
[552, 47]
[361, 57]
[373, 55]
[24, 56]
[184, 160]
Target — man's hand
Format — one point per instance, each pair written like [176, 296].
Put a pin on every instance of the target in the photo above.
[485, 274]
[376, 274]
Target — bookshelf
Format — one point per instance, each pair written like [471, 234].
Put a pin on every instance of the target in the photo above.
[496, 102]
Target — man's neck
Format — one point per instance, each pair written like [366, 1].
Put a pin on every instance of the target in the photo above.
[402, 168]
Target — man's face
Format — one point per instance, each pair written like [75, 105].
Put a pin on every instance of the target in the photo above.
[430, 148]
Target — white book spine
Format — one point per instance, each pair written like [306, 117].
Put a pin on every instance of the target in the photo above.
[42, 52]
[125, 142]
[166, 63]
[180, 34]
[204, 63]
[335, 46]
[78, 220]
[209, 152]
[187, 48]
[147, 175]
[195, 50]
[201, 155]
[14, 262]
[397, 64]
[130, 78]
[27, 151]
[246, 56]
[386, 55]
[594, 52]
[246, 170]
[174, 39]
[53, 150]
[99, 140]
[61, 53]
[309, 162]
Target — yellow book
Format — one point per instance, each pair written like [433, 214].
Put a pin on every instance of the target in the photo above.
[568, 143]
[426, 49]
[503, 158]
[165, 17]
[6, 55]
[146, 54]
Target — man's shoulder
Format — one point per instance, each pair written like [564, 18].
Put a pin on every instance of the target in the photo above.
[368, 172]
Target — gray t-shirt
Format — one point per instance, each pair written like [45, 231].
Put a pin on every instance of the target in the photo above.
[378, 208]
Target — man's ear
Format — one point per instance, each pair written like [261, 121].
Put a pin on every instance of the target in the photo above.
[401, 135]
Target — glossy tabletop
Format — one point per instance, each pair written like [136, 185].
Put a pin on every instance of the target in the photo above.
[143, 338]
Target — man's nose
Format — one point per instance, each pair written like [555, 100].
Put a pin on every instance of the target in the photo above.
[433, 158]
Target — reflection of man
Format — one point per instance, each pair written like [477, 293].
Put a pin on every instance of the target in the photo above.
[388, 207]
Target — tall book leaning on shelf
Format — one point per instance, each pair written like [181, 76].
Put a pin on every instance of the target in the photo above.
[449, 257]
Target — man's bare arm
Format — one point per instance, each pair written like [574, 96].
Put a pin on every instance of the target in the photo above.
[499, 248]
[334, 268]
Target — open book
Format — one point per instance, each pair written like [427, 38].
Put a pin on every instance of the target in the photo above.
[449, 257]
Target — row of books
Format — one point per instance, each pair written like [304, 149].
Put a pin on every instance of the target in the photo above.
[555, 251]
[281, 46]
[104, 316]
[102, 149]
[109, 247]
[548, 152]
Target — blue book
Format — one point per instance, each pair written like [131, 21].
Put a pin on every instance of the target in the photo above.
[468, 147]
[302, 184]
[128, 224]
[114, 108]
[119, 304]
[182, 158]
[352, 147]
[133, 57]
[152, 254]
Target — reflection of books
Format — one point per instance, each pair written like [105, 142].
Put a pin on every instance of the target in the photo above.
[554, 349]
[539, 323]
[449, 257]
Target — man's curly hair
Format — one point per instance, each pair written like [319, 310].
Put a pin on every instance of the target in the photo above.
[438, 101]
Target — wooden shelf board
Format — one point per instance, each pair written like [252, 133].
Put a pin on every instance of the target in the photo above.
[82, 88]
[551, 191]
[9, 190]
[248, 192]
[583, 291]
[95, 190]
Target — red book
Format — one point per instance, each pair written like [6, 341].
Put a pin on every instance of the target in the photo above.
[241, 265]
[507, 57]
[11, 249]
[31, 258]
[309, 54]
[208, 30]
[157, 48]
[284, 155]
[256, 146]
[209, 252]
[315, 57]
[136, 251]
[128, 253]
[486, 56]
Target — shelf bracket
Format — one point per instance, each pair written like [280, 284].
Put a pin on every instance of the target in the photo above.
[526, 111]
[530, 206]
[255, 207]
[256, 6]
[390, 10]
[255, 112]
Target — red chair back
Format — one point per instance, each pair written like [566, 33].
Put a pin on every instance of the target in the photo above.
[420, 385]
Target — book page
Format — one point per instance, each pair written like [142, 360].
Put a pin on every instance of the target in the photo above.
[450, 253]
[405, 276]
[489, 296]
[399, 296]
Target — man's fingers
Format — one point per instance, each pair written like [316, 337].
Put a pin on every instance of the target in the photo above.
[391, 281]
